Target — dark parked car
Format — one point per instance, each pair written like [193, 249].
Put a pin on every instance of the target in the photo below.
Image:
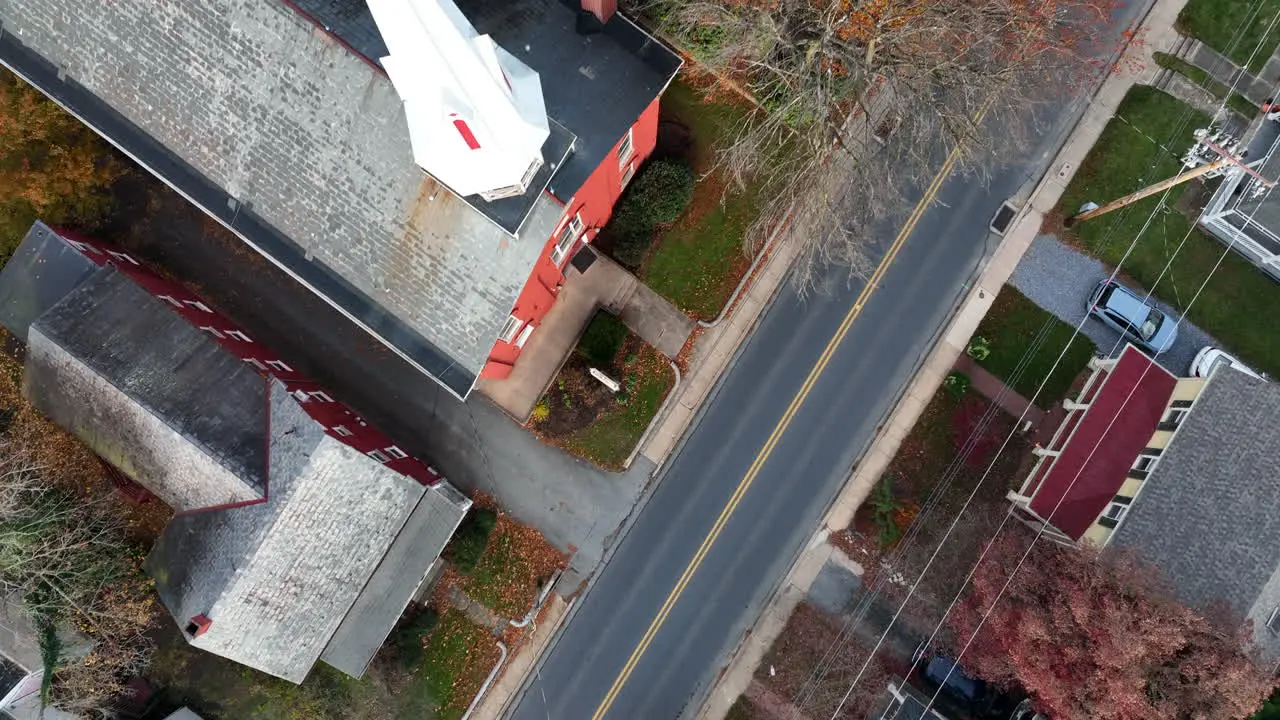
[1137, 319]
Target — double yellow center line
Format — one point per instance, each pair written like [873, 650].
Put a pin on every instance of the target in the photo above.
[777, 433]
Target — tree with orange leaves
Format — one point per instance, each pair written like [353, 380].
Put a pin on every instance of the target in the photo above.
[52, 167]
[860, 100]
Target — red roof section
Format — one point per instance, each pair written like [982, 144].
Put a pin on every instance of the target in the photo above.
[1097, 458]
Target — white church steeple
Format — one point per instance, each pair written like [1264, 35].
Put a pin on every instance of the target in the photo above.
[476, 116]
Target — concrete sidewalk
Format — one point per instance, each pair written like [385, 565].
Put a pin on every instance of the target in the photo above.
[604, 284]
[736, 678]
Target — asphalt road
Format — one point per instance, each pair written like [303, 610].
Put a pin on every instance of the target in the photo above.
[797, 480]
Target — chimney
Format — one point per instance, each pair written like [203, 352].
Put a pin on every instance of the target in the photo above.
[475, 112]
[602, 9]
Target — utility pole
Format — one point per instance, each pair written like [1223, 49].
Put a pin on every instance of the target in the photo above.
[1227, 157]
[1147, 191]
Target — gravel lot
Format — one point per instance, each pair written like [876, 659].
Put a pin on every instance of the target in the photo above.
[1060, 279]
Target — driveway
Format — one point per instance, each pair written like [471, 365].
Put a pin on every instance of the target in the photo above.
[577, 506]
[1060, 279]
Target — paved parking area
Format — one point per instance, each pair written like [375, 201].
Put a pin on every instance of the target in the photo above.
[1059, 279]
[576, 505]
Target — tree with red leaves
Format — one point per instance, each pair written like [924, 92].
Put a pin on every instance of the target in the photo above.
[859, 99]
[1096, 635]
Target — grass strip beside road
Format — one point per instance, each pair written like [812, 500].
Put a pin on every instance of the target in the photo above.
[1009, 326]
[458, 656]
[1216, 22]
[1234, 100]
[1238, 298]
[697, 262]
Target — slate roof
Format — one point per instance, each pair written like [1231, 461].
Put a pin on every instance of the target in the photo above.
[278, 578]
[1208, 515]
[1097, 458]
[300, 146]
[396, 580]
[40, 273]
[322, 562]
[151, 394]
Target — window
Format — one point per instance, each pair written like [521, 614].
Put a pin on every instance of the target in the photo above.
[524, 335]
[625, 150]
[1144, 463]
[510, 328]
[395, 452]
[378, 455]
[171, 300]
[1115, 512]
[121, 256]
[1173, 417]
[1273, 621]
[627, 175]
[279, 365]
[198, 305]
[256, 363]
[568, 236]
[341, 431]
[237, 335]
[212, 331]
[319, 396]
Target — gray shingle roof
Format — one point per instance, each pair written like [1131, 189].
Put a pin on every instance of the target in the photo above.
[396, 580]
[278, 578]
[40, 273]
[246, 99]
[151, 394]
[1209, 514]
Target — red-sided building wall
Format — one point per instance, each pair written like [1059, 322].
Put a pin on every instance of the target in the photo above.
[593, 204]
[338, 420]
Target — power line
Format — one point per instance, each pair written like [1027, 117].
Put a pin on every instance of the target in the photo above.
[1048, 520]
[946, 536]
[1058, 505]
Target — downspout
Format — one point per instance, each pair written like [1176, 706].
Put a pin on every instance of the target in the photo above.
[487, 681]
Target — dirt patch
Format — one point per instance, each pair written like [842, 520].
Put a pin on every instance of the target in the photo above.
[928, 470]
[574, 400]
[802, 646]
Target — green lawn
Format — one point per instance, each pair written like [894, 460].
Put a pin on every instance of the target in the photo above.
[1216, 22]
[1010, 325]
[610, 439]
[1237, 298]
[697, 262]
[452, 670]
[1235, 100]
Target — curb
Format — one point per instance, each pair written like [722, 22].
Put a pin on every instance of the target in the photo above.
[969, 293]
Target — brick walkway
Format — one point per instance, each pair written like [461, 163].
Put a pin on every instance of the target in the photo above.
[994, 389]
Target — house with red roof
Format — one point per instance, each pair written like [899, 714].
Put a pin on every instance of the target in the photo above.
[1091, 470]
[1180, 471]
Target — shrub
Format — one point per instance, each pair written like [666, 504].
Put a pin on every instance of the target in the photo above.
[979, 349]
[658, 195]
[410, 637]
[885, 509]
[602, 339]
[541, 411]
[957, 383]
[472, 538]
[663, 190]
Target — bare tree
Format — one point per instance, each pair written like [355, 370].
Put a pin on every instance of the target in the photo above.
[860, 101]
[67, 556]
